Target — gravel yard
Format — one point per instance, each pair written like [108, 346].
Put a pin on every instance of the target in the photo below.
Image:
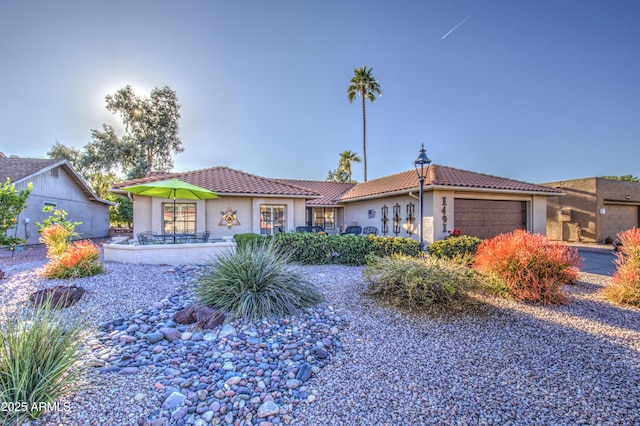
[508, 363]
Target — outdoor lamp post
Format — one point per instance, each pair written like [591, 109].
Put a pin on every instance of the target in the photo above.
[420, 164]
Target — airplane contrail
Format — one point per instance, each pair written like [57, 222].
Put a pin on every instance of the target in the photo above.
[456, 27]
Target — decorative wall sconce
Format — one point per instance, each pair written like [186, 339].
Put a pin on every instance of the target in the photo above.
[411, 217]
[396, 219]
[385, 219]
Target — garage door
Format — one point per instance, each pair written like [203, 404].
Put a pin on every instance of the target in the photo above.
[488, 218]
[618, 218]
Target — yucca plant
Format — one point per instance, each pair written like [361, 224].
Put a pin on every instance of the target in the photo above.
[255, 281]
[39, 353]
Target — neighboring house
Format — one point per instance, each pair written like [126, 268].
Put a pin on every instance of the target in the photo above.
[57, 184]
[474, 203]
[592, 209]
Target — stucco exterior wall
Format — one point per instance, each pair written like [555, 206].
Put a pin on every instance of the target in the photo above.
[539, 214]
[439, 211]
[64, 194]
[147, 214]
[369, 213]
[592, 209]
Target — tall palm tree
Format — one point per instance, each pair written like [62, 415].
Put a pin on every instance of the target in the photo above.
[364, 84]
[346, 158]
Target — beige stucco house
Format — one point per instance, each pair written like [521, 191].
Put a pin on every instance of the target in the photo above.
[454, 199]
[592, 209]
[56, 184]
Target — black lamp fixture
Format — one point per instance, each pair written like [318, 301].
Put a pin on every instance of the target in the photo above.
[422, 172]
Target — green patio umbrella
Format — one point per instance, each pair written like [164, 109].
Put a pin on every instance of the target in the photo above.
[172, 188]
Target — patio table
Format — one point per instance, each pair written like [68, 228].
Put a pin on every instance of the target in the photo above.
[175, 238]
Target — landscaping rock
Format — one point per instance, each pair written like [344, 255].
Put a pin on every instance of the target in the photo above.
[208, 318]
[61, 296]
[204, 316]
[304, 372]
[185, 316]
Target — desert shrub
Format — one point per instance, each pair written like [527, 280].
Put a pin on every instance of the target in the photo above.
[255, 281]
[420, 283]
[624, 287]
[532, 268]
[56, 238]
[462, 248]
[80, 259]
[39, 353]
[318, 249]
[248, 238]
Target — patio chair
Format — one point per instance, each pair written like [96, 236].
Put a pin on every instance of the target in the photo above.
[145, 238]
[353, 230]
[370, 230]
[199, 237]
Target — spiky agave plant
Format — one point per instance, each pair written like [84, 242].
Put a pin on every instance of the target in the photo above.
[39, 353]
[255, 281]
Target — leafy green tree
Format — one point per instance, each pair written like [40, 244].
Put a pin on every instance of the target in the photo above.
[364, 84]
[337, 175]
[628, 178]
[61, 151]
[152, 126]
[92, 164]
[122, 212]
[12, 203]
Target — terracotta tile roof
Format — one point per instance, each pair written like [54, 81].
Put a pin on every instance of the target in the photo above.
[330, 191]
[224, 180]
[440, 176]
[16, 168]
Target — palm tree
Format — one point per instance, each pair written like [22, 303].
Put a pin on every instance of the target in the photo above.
[346, 158]
[364, 84]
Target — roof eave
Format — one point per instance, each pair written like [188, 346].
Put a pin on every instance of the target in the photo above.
[428, 188]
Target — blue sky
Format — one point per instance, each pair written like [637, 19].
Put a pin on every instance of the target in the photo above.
[530, 90]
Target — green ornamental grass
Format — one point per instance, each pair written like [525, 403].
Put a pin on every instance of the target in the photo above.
[39, 353]
[417, 284]
[256, 281]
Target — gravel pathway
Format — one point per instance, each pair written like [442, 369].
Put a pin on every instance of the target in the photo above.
[510, 363]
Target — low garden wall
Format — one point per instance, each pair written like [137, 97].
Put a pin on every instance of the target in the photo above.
[165, 254]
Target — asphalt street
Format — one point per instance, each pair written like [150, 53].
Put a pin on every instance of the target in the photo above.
[598, 262]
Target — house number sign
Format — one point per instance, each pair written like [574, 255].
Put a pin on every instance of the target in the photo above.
[444, 214]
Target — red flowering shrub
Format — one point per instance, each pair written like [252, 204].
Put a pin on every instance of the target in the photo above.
[532, 268]
[625, 284]
[81, 259]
